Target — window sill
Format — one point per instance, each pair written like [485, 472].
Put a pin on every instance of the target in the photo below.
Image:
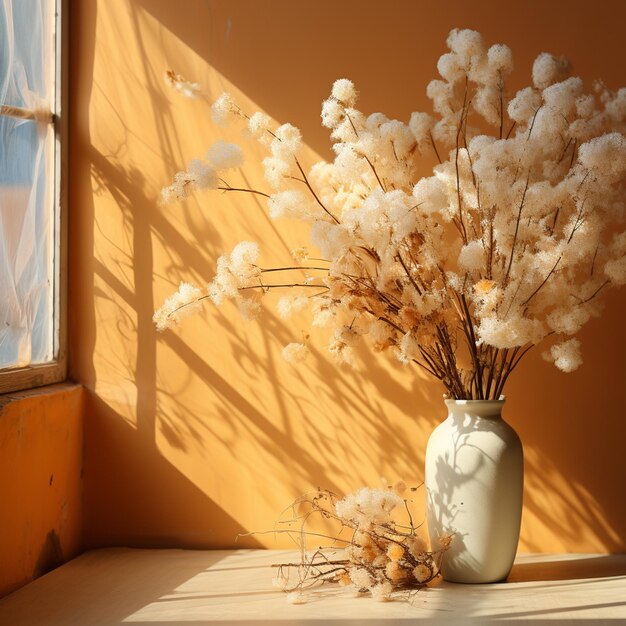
[26, 378]
[9, 398]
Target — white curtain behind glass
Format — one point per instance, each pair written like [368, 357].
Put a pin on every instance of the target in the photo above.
[26, 179]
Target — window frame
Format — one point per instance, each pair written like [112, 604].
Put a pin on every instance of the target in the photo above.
[31, 376]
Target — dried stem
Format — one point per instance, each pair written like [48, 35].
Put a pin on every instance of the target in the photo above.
[379, 551]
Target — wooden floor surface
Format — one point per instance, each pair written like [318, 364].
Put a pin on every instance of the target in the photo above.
[166, 587]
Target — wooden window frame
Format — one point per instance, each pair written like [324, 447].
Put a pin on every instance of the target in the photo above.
[15, 379]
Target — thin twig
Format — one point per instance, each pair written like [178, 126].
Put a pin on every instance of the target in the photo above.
[519, 216]
[545, 280]
[306, 182]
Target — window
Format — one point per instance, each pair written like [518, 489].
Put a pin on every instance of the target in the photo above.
[32, 233]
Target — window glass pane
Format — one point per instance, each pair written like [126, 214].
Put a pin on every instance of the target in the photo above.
[26, 178]
[25, 51]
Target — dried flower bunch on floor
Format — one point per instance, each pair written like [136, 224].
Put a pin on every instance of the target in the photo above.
[512, 241]
[371, 550]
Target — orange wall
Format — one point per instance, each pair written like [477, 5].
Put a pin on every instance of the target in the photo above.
[40, 482]
[201, 433]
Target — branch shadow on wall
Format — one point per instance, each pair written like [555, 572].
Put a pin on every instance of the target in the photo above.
[323, 452]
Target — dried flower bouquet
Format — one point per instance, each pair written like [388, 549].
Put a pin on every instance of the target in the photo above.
[371, 551]
[513, 239]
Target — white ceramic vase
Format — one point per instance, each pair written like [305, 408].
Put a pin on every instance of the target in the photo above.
[474, 484]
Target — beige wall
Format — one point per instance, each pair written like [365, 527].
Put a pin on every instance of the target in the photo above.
[41, 439]
[201, 433]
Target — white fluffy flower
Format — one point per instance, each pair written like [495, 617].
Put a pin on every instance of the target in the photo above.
[465, 42]
[350, 166]
[430, 195]
[290, 204]
[566, 355]
[562, 96]
[186, 301]
[408, 349]
[202, 175]
[360, 578]
[374, 121]
[500, 58]
[368, 505]
[243, 259]
[331, 239]
[479, 142]
[223, 155]
[445, 130]
[399, 135]
[333, 113]
[198, 175]
[420, 125]
[343, 90]
[616, 106]
[605, 156]
[259, 125]
[288, 305]
[585, 105]
[548, 69]
[275, 171]
[511, 332]
[382, 591]
[234, 271]
[224, 109]
[524, 105]
[487, 104]
[451, 67]
[442, 95]
[323, 314]
[615, 270]
[472, 256]
[568, 320]
[289, 137]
